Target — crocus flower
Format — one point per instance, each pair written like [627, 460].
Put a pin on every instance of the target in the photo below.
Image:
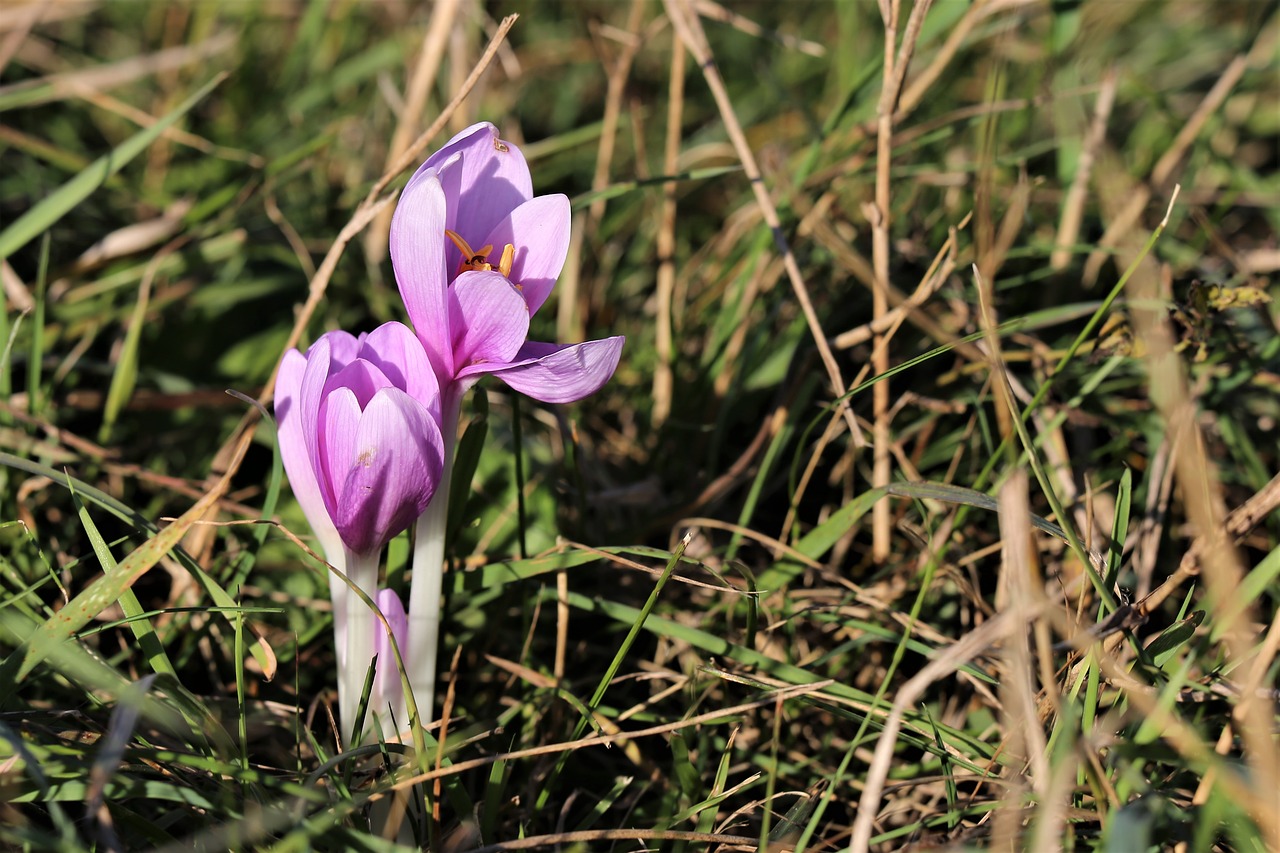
[361, 443]
[476, 254]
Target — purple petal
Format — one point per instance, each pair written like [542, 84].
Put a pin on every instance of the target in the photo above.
[362, 377]
[339, 419]
[343, 348]
[491, 320]
[417, 255]
[487, 181]
[310, 396]
[400, 356]
[387, 677]
[539, 230]
[392, 473]
[294, 450]
[559, 373]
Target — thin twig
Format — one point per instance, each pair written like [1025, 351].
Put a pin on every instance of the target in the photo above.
[895, 70]
[663, 380]
[686, 23]
[1121, 224]
[415, 100]
[1073, 204]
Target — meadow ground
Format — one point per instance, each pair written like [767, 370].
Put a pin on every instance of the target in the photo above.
[932, 504]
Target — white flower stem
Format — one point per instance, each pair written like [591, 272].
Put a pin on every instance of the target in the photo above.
[362, 569]
[426, 590]
[336, 555]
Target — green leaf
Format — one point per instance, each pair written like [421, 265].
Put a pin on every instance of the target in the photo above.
[139, 624]
[124, 513]
[1174, 637]
[57, 204]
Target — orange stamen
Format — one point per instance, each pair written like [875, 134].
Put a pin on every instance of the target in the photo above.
[472, 259]
[508, 256]
[478, 259]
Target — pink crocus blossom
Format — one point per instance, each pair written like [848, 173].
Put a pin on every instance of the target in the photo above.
[360, 439]
[475, 255]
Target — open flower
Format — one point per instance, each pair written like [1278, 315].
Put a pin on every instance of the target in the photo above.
[360, 439]
[475, 256]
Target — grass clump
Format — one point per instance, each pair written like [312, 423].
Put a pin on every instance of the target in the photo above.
[933, 503]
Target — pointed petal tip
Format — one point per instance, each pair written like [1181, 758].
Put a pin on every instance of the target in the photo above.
[561, 373]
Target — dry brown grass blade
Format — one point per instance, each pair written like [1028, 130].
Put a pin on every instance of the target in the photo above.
[133, 238]
[109, 76]
[1122, 224]
[17, 16]
[1073, 205]
[24, 19]
[1202, 499]
[663, 379]
[896, 61]
[424, 77]
[685, 21]
[14, 288]
[1023, 736]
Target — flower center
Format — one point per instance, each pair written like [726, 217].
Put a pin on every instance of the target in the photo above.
[478, 259]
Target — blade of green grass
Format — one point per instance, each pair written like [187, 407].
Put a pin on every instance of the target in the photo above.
[53, 207]
[141, 627]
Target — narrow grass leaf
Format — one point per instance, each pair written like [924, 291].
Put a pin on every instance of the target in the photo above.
[215, 591]
[141, 627]
[110, 753]
[125, 377]
[1119, 529]
[109, 588]
[54, 206]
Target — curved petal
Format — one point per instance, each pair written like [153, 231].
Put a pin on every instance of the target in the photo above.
[489, 179]
[295, 455]
[362, 377]
[343, 348]
[539, 230]
[310, 396]
[559, 373]
[491, 320]
[339, 419]
[386, 685]
[400, 356]
[394, 469]
[417, 246]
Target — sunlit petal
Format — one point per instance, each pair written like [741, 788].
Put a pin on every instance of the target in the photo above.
[491, 319]
[394, 468]
[418, 258]
[539, 231]
[561, 373]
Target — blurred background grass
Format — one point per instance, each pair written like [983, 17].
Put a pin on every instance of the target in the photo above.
[180, 275]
